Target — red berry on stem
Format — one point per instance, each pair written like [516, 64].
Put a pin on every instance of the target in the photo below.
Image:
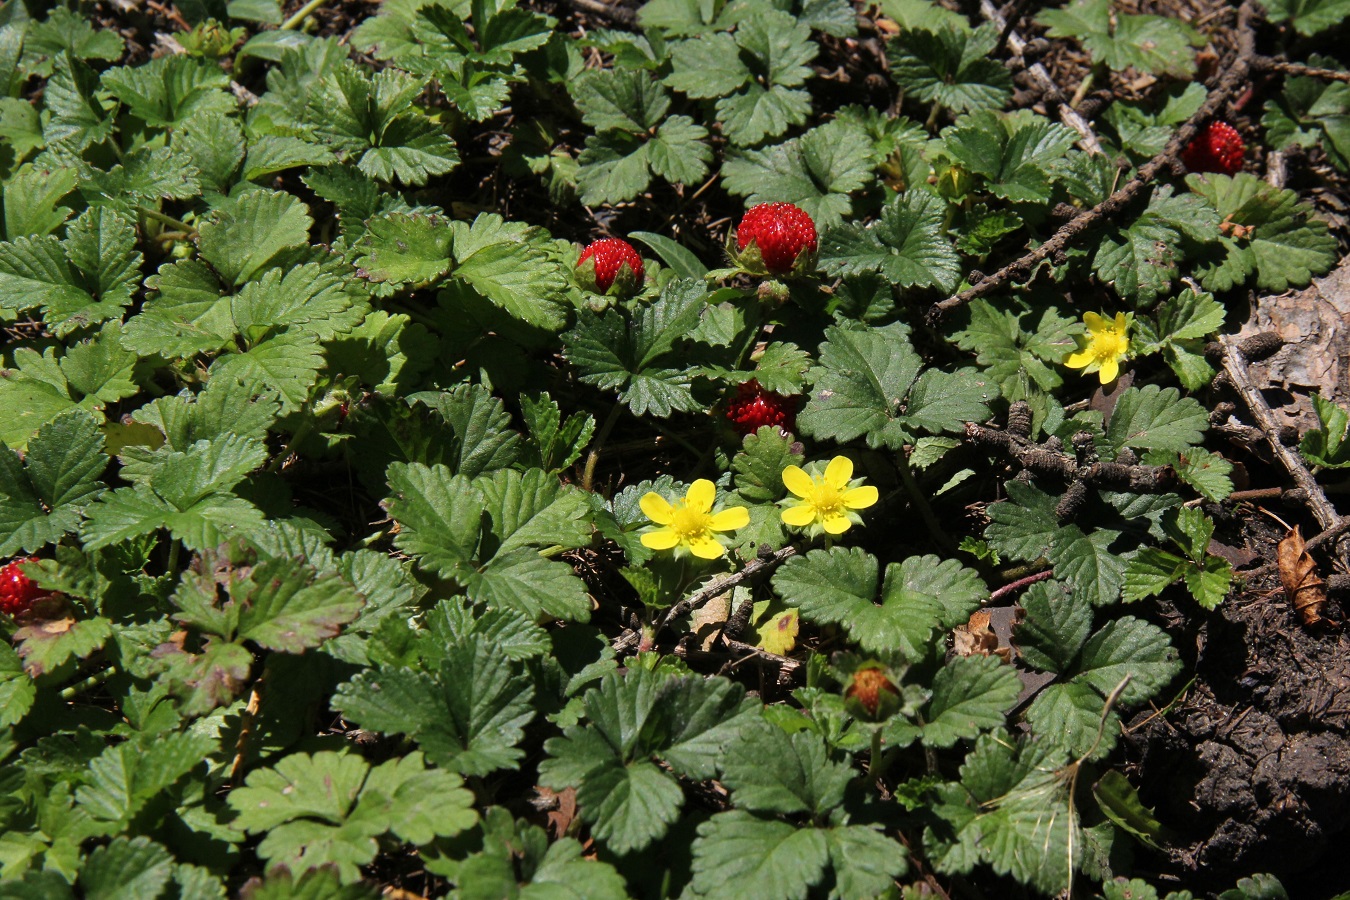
[753, 407]
[781, 231]
[609, 255]
[17, 590]
[1217, 148]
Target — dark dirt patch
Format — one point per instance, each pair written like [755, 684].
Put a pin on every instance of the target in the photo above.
[1254, 766]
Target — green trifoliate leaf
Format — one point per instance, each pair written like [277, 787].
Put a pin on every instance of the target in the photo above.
[20, 127]
[17, 690]
[1141, 260]
[1069, 716]
[1326, 445]
[868, 383]
[620, 99]
[144, 177]
[66, 31]
[769, 771]
[127, 776]
[289, 363]
[44, 496]
[556, 442]
[79, 116]
[188, 493]
[839, 586]
[759, 466]
[305, 298]
[737, 854]
[1152, 44]
[1013, 154]
[970, 694]
[1308, 16]
[168, 91]
[271, 153]
[1144, 129]
[1279, 239]
[247, 233]
[907, 245]
[439, 516]
[215, 144]
[687, 721]
[481, 438]
[406, 248]
[628, 351]
[32, 200]
[83, 280]
[371, 120]
[1182, 324]
[224, 407]
[509, 264]
[816, 171]
[1017, 358]
[1205, 471]
[1128, 646]
[126, 867]
[329, 808]
[468, 717]
[951, 66]
[1154, 418]
[1310, 112]
[41, 387]
[752, 75]
[1057, 624]
[1011, 810]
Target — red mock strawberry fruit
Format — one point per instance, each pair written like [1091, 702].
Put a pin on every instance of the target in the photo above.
[783, 235]
[872, 693]
[607, 261]
[753, 407]
[17, 590]
[1217, 148]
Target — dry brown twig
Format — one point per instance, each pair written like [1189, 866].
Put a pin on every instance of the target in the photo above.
[1299, 70]
[1234, 77]
[1235, 367]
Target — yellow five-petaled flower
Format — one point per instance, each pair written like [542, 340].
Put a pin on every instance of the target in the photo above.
[827, 502]
[690, 525]
[1106, 344]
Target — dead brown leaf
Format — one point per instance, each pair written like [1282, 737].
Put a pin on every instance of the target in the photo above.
[977, 637]
[1298, 573]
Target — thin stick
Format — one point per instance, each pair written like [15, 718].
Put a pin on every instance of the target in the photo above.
[1235, 76]
[1298, 69]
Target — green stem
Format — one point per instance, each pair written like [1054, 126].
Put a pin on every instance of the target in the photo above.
[588, 476]
[174, 549]
[70, 693]
[166, 219]
[300, 15]
[874, 759]
[920, 503]
[306, 426]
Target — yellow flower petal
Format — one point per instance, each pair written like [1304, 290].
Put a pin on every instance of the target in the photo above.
[1110, 369]
[730, 519]
[1094, 322]
[838, 472]
[798, 516]
[706, 548]
[796, 480]
[861, 497]
[1122, 323]
[836, 524]
[1080, 360]
[656, 508]
[701, 495]
[662, 539]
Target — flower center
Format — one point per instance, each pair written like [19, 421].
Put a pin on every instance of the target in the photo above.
[689, 523]
[1109, 345]
[827, 500]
